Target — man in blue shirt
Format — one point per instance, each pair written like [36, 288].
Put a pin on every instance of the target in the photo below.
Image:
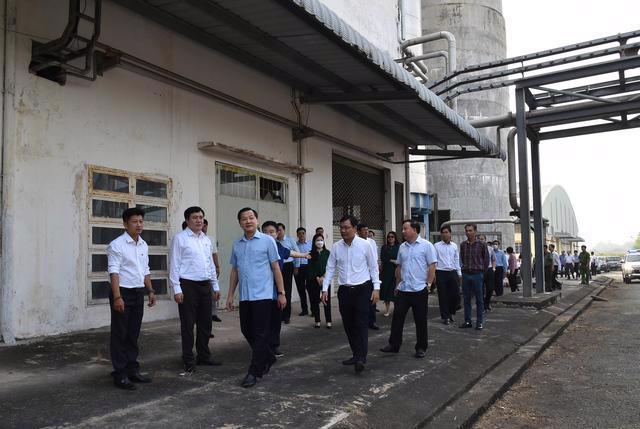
[270, 228]
[415, 273]
[287, 272]
[254, 268]
[300, 270]
[501, 268]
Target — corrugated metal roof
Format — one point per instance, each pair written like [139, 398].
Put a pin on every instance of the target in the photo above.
[307, 45]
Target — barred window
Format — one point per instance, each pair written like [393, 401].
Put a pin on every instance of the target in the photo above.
[243, 183]
[111, 192]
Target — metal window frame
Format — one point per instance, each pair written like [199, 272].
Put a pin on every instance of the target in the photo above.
[132, 200]
[220, 166]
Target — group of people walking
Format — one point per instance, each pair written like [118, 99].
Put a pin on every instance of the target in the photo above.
[264, 261]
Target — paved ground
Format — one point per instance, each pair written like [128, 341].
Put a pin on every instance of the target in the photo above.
[589, 378]
[63, 381]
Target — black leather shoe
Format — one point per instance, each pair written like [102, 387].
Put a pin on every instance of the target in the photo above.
[215, 318]
[350, 361]
[389, 349]
[208, 362]
[136, 377]
[278, 353]
[286, 322]
[249, 380]
[359, 366]
[479, 327]
[420, 354]
[190, 368]
[374, 326]
[303, 313]
[446, 322]
[466, 325]
[451, 320]
[124, 383]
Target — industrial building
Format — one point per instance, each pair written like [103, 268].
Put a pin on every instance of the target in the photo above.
[298, 108]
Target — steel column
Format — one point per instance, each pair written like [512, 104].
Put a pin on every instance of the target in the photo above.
[523, 167]
[538, 227]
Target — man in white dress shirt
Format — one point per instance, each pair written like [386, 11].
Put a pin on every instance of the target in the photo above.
[357, 267]
[448, 275]
[193, 277]
[415, 273]
[128, 265]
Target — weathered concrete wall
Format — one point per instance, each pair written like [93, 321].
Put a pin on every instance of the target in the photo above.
[476, 188]
[132, 123]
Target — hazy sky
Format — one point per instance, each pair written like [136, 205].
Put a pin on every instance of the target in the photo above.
[599, 172]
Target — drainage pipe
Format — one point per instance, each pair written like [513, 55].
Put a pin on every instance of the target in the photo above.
[511, 163]
[446, 35]
[435, 54]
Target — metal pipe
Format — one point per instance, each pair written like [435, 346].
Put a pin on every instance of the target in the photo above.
[435, 54]
[538, 224]
[541, 54]
[523, 171]
[446, 35]
[407, 187]
[511, 164]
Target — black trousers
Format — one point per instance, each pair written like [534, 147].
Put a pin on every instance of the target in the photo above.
[301, 285]
[513, 281]
[314, 298]
[555, 283]
[195, 310]
[568, 271]
[255, 324]
[125, 330]
[275, 328]
[287, 276]
[354, 305]
[448, 297]
[489, 284]
[498, 279]
[417, 301]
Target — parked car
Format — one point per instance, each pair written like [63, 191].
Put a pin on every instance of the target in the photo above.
[613, 263]
[631, 267]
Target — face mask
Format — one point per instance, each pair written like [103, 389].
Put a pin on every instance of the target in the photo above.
[319, 244]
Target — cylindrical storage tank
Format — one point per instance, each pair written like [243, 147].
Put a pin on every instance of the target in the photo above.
[471, 188]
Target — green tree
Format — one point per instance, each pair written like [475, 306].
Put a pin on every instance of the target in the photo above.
[637, 242]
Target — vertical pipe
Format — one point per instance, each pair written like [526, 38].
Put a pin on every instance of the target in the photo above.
[538, 228]
[407, 185]
[523, 167]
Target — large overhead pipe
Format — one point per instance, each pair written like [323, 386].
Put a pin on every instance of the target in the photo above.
[446, 35]
[511, 164]
[435, 54]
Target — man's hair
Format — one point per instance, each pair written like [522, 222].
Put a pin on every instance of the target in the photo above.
[301, 229]
[472, 225]
[496, 241]
[552, 246]
[132, 211]
[413, 224]
[509, 249]
[206, 222]
[546, 246]
[319, 228]
[445, 228]
[184, 225]
[269, 223]
[246, 209]
[361, 226]
[351, 218]
[583, 247]
[281, 225]
[191, 210]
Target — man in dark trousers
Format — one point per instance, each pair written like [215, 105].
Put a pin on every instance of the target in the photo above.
[300, 270]
[448, 275]
[255, 270]
[287, 272]
[128, 265]
[357, 267]
[474, 260]
[193, 277]
[415, 273]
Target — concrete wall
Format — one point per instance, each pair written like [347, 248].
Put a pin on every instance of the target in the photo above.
[476, 188]
[132, 123]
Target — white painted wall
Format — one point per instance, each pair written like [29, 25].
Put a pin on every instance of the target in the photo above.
[128, 122]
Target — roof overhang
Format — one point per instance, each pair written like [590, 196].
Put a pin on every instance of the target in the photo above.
[305, 45]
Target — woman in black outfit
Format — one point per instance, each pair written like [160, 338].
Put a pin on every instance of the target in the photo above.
[315, 276]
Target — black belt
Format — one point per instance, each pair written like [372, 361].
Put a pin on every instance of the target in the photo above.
[131, 290]
[367, 283]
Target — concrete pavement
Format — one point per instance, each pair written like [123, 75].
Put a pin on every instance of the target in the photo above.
[64, 381]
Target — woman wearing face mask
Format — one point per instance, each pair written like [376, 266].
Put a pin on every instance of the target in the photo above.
[388, 256]
[315, 271]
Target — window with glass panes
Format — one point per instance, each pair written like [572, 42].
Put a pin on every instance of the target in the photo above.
[110, 193]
